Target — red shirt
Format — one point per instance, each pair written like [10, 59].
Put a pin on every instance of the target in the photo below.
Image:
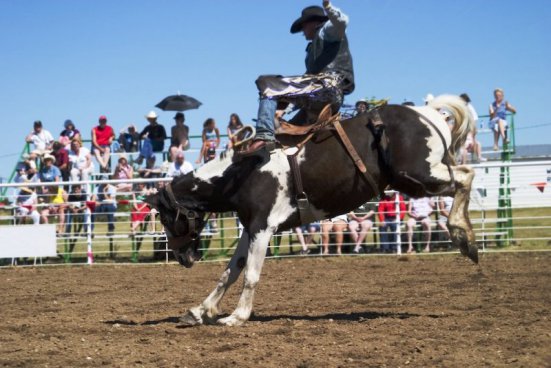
[387, 208]
[103, 135]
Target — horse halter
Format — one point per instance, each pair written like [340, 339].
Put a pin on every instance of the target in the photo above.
[193, 218]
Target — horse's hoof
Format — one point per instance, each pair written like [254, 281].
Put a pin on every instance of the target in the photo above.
[461, 240]
[230, 321]
[190, 319]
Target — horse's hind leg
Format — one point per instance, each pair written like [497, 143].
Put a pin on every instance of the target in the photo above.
[459, 225]
[208, 310]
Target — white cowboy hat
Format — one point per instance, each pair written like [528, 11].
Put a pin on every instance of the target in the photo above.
[151, 115]
[48, 157]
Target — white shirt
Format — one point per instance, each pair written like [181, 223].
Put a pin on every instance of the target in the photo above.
[42, 139]
[473, 112]
[79, 161]
[176, 170]
[421, 207]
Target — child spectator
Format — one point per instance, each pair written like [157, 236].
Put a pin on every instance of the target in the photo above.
[76, 210]
[179, 140]
[233, 126]
[105, 196]
[41, 139]
[55, 198]
[359, 224]
[387, 220]
[335, 225]
[102, 137]
[26, 202]
[498, 119]
[419, 211]
[211, 138]
[140, 209]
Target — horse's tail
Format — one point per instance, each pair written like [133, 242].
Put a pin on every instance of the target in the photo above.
[464, 122]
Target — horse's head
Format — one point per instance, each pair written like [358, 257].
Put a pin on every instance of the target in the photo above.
[182, 225]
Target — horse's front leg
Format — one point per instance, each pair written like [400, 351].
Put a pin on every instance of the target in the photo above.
[208, 310]
[255, 261]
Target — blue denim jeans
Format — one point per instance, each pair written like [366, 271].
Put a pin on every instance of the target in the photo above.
[265, 123]
[388, 235]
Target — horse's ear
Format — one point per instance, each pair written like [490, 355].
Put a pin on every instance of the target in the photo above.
[153, 200]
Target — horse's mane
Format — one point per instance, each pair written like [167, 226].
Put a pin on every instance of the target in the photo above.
[464, 122]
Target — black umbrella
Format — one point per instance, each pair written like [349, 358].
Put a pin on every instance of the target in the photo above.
[178, 103]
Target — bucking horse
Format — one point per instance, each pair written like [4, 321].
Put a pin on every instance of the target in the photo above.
[409, 149]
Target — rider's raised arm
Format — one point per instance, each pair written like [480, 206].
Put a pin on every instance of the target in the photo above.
[334, 29]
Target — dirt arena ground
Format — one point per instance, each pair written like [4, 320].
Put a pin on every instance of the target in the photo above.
[433, 311]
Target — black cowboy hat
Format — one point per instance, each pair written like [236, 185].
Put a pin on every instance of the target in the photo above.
[309, 14]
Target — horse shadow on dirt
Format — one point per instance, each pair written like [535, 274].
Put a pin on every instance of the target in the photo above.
[342, 317]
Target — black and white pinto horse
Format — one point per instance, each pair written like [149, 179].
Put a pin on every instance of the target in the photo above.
[416, 162]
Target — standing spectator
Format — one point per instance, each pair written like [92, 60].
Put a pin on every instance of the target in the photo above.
[129, 139]
[310, 230]
[155, 132]
[211, 137]
[361, 106]
[61, 160]
[419, 211]
[102, 137]
[179, 136]
[471, 144]
[335, 225]
[81, 161]
[76, 210]
[55, 198]
[444, 209]
[49, 172]
[233, 126]
[359, 224]
[70, 131]
[123, 171]
[179, 166]
[40, 138]
[498, 118]
[141, 210]
[105, 195]
[387, 220]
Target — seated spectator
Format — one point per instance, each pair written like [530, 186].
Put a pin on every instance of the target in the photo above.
[26, 202]
[81, 161]
[129, 139]
[419, 211]
[61, 160]
[498, 118]
[444, 208]
[359, 224]
[310, 230]
[55, 199]
[179, 136]
[211, 139]
[388, 220]
[179, 166]
[154, 133]
[234, 125]
[123, 171]
[41, 139]
[106, 204]
[141, 209]
[70, 131]
[102, 137]
[49, 172]
[335, 225]
[76, 211]
[471, 144]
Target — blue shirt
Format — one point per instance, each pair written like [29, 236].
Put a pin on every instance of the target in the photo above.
[49, 174]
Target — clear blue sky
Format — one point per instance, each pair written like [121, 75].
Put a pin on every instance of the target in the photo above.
[80, 59]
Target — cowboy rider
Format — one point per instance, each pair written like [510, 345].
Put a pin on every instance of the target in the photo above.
[328, 67]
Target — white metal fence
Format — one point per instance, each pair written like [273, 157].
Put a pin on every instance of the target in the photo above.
[93, 230]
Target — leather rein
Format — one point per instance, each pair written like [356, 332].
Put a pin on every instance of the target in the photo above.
[195, 225]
